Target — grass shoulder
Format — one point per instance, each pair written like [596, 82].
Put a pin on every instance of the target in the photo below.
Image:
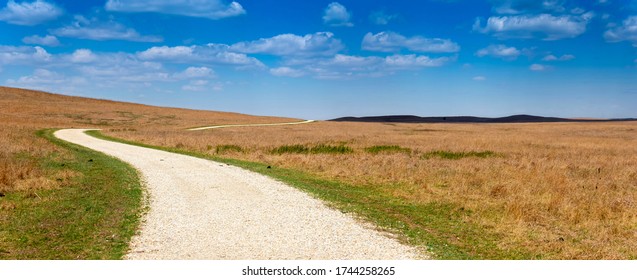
[93, 215]
[438, 227]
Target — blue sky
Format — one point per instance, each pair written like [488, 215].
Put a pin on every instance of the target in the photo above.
[326, 59]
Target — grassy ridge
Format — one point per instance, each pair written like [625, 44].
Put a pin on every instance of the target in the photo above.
[92, 216]
[438, 227]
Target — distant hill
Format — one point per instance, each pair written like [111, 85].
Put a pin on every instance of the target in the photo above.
[45, 110]
[468, 119]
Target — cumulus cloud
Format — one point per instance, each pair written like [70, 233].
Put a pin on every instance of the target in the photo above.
[195, 72]
[565, 57]
[337, 15]
[528, 6]
[211, 9]
[350, 66]
[120, 69]
[93, 29]
[211, 53]
[83, 56]
[47, 40]
[286, 72]
[24, 55]
[625, 32]
[201, 85]
[167, 53]
[29, 13]
[40, 76]
[499, 51]
[394, 42]
[415, 61]
[538, 67]
[545, 26]
[381, 18]
[317, 44]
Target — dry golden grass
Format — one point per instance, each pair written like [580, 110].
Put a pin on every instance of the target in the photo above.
[34, 225]
[22, 112]
[561, 190]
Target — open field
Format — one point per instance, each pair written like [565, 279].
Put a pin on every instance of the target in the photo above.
[549, 191]
[59, 201]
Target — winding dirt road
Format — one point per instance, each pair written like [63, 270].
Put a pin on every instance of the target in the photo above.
[245, 125]
[200, 209]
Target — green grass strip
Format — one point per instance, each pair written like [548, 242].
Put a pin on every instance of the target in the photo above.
[318, 149]
[387, 149]
[458, 155]
[439, 227]
[94, 216]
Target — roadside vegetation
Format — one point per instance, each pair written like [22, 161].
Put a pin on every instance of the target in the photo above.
[461, 191]
[65, 201]
[62, 201]
[387, 149]
[317, 149]
[458, 155]
[505, 191]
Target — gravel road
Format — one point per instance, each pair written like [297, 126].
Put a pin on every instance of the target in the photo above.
[201, 209]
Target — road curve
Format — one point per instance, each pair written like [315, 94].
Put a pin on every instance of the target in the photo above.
[242, 125]
[201, 209]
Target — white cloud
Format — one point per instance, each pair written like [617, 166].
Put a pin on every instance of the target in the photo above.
[353, 63]
[528, 6]
[414, 61]
[83, 56]
[626, 32]
[93, 29]
[286, 72]
[343, 67]
[337, 15]
[317, 44]
[122, 70]
[211, 9]
[23, 55]
[211, 53]
[538, 67]
[47, 80]
[29, 13]
[499, 51]
[565, 57]
[47, 40]
[394, 42]
[479, 78]
[577, 11]
[380, 18]
[546, 26]
[197, 85]
[195, 72]
[169, 53]
[41, 54]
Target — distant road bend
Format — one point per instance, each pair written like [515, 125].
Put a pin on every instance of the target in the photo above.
[201, 209]
[243, 125]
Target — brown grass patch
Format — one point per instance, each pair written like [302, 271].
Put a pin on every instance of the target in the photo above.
[561, 190]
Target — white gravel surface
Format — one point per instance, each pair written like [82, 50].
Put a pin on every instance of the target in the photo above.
[201, 209]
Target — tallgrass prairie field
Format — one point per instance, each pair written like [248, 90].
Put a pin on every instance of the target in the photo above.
[458, 191]
[59, 201]
[540, 190]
